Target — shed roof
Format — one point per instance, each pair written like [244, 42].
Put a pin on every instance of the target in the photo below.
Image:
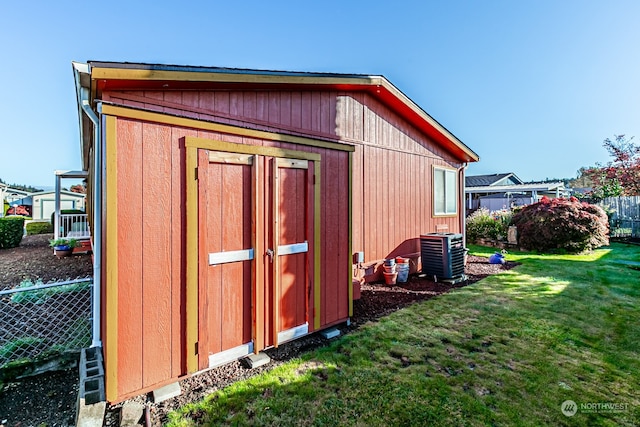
[96, 76]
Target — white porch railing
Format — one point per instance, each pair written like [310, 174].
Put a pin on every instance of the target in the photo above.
[72, 225]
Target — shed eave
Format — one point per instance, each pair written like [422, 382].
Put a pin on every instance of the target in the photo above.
[82, 80]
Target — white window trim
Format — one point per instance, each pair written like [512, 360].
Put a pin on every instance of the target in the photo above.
[456, 191]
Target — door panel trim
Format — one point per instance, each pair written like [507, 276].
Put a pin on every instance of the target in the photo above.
[230, 158]
[293, 163]
[216, 258]
[294, 248]
[233, 147]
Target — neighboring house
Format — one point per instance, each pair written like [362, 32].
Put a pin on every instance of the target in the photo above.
[41, 205]
[229, 204]
[11, 200]
[506, 190]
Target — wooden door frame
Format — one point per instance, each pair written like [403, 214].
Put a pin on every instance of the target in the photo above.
[192, 145]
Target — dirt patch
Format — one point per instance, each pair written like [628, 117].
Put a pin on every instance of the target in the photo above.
[50, 398]
[34, 260]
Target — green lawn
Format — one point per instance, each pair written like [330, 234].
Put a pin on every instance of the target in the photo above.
[508, 350]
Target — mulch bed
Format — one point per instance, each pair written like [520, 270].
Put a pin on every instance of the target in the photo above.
[50, 398]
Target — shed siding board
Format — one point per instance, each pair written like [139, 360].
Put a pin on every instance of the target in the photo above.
[292, 229]
[330, 233]
[358, 192]
[178, 249]
[156, 263]
[130, 283]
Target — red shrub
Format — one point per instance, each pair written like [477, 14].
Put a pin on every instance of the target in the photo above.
[561, 224]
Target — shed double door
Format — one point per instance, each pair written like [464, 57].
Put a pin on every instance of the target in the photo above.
[253, 253]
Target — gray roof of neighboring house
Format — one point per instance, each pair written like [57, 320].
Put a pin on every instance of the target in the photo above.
[546, 186]
[486, 180]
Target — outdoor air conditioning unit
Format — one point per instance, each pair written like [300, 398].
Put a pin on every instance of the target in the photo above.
[442, 256]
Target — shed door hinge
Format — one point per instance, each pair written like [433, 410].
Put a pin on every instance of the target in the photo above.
[196, 347]
[196, 174]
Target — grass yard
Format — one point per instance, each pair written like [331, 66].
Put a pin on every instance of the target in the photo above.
[508, 350]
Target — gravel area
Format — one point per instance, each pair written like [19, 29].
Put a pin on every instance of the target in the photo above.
[49, 399]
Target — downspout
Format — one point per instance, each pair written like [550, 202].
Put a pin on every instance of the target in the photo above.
[463, 216]
[97, 215]
[56, 217]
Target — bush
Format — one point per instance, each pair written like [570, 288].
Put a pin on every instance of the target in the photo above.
[483, 224]
[39, 296]
[562, 225]
[11, 230]
[40, 227]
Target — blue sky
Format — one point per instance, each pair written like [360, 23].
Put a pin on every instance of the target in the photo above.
[533, 87]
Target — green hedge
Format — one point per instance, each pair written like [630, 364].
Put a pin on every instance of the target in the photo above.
[483, 224]
[39, 228]
[11, 230]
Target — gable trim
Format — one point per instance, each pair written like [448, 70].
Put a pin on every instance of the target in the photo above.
[165, 118]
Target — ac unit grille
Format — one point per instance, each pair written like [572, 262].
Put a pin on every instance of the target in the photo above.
[442, 255]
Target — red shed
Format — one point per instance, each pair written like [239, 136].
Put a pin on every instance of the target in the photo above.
[228, 205]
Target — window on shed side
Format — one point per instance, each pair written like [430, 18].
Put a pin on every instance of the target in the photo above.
[445, 191]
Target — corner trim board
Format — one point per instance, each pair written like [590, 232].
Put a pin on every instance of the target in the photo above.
[192, 261]
[111, 258]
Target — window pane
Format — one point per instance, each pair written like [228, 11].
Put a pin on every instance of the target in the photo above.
[439, 193]
[451, 193]
[445, 191]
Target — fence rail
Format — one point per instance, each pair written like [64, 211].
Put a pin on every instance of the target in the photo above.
[73, 225]
[624, 216]
[624, 228]
[43, 320]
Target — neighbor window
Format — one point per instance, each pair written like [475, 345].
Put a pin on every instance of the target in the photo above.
[445, 191]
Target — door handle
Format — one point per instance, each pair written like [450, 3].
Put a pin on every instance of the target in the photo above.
[270, 254]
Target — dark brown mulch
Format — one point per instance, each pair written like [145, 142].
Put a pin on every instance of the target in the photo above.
[34, 260]
[50, 398]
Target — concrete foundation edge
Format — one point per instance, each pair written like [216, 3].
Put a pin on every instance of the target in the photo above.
[91, 404]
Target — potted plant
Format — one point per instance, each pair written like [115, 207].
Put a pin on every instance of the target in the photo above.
[63, 246]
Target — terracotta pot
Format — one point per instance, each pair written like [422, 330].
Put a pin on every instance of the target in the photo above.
[390, 278]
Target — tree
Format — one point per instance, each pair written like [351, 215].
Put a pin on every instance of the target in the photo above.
[619, 177]
[561, 225]
[78, 188]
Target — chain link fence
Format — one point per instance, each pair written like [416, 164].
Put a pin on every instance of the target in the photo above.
[40, 321]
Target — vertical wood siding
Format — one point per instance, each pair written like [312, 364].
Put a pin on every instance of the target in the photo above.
[392, 192]
[292, 228]
[392, 164]
[151, 270]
